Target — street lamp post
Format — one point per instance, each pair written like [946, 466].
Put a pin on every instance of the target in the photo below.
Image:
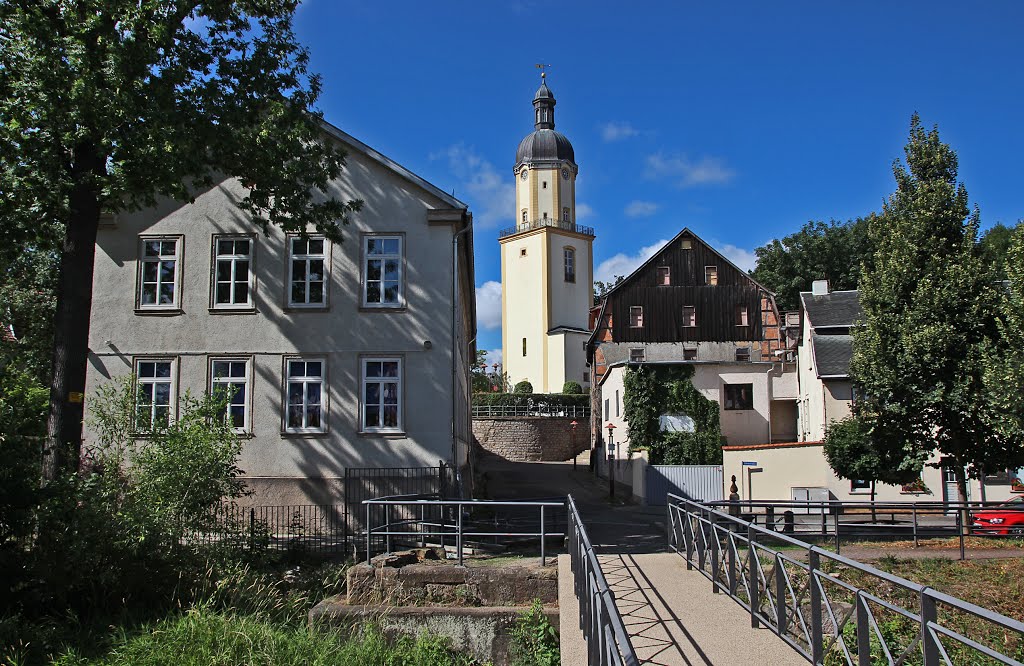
[572, 435]
[611, 460]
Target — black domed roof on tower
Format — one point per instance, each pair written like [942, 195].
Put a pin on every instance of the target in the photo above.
[544, 143]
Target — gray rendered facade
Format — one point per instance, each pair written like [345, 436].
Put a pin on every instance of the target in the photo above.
[346, 359]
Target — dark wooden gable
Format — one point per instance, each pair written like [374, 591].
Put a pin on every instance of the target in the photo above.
[715, 305]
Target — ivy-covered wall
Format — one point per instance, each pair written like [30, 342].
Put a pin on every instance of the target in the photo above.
[654, 390]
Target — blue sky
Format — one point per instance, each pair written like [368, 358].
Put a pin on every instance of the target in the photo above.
[741, 120]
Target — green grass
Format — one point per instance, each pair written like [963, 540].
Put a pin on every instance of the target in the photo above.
[203, 636]
[233, 615]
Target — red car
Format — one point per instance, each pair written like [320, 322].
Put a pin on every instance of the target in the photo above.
[1006, 518]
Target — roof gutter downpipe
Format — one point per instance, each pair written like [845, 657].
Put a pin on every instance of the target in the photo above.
[456, 466]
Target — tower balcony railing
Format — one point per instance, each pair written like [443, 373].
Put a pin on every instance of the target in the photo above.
[546, 222]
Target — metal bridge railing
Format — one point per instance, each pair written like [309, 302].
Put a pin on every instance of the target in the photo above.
[429, 521]
[831, 609]
[607, 639]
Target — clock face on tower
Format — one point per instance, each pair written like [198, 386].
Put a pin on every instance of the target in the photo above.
[522, 174]
[565, 174]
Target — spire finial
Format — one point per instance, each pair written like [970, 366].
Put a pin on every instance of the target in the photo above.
[543, 74]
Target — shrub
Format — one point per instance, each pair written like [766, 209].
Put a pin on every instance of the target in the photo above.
[523, 387]
[534, 640]
[572, 388]
[521, 399]
[124, 529]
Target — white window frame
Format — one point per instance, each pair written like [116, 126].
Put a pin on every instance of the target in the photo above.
[693, 320]
[141, 382]
[305, 380]
[233, 260]
[306, 257]
[159, 260]
[639, 320]
[226, 382]
[365, 380]
[398, 257]
[569, 260]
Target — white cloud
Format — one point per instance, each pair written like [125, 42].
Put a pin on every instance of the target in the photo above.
[641, 208]
[492, 356]
[488, 305]
[492, 196]
[583, 211]
[742, 258]
[617, 131]
[624, 264]
[689, 173]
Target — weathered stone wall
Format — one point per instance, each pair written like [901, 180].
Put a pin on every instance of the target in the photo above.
[532, 438]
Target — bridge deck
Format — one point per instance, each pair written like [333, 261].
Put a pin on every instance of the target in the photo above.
[673, 617]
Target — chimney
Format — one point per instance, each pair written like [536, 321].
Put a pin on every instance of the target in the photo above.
[819, 288]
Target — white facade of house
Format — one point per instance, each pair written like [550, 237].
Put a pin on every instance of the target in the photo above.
[769, 385]
[338, 355]
[790, 469]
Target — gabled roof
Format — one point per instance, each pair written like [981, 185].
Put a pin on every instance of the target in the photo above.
[639, 269]
[390, 164]
[835, 309]
[676, 238]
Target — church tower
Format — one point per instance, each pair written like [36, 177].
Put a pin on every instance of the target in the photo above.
[547, 267]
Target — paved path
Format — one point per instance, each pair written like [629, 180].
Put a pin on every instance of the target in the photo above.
[673, 618]
[670, 613]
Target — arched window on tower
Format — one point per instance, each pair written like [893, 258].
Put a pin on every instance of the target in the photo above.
[570, 264]
[524, 215]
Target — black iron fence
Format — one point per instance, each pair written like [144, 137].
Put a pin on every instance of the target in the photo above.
[831, 609]
[607, 639]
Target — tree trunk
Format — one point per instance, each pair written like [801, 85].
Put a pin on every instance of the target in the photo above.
[961, 495]
[71, 324]
[874, 518]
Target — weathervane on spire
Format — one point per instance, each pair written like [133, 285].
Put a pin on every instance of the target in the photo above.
[542, 67]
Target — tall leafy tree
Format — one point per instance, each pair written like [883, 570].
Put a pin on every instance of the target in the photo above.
[832, 251]
[108, 105]
[1004, 363]
[927, 300]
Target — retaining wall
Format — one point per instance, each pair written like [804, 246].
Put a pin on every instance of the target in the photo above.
[532, 438]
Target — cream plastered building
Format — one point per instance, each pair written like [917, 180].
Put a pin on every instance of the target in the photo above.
[547, 263]
[335, 355]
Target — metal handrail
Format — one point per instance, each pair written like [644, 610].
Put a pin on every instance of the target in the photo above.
[546, 222]
[789, 592]
[506, 411]
[607, 639]
[442, 527]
